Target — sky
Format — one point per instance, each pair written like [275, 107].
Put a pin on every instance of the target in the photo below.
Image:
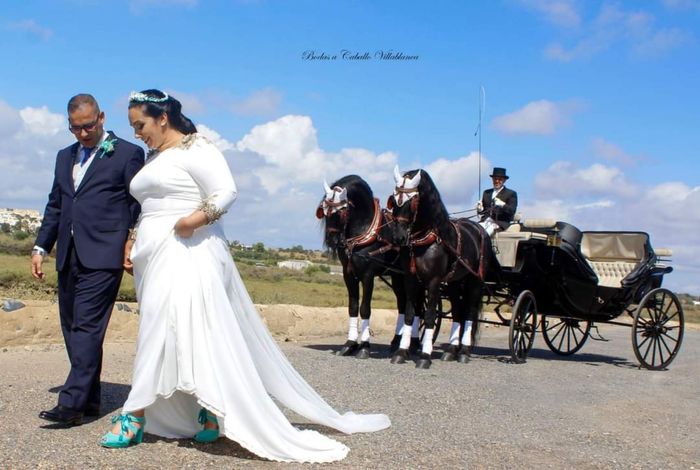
[592, 106]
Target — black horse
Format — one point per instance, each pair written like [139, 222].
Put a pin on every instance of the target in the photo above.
[437, 251]
[355, 229]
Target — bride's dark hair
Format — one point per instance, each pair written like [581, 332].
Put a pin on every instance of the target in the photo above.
[156, 102]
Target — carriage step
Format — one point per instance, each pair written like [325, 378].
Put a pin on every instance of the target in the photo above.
[597, 332]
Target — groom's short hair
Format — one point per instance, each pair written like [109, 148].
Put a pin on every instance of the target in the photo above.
[80, 100]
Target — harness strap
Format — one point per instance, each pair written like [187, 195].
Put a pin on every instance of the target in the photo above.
[370, 235]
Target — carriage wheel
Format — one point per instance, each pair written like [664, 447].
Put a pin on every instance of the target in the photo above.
[657, 330]
[439, 315]
[565, 336]
[523, 324]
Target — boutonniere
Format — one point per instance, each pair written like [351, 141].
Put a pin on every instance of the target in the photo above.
[107, 147]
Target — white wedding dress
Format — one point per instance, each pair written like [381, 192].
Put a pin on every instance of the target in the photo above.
[201, 340]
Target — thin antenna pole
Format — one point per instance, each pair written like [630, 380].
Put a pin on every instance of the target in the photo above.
[482, 105]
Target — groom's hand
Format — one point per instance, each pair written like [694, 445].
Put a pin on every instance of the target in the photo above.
[37, 273]
[128, 265]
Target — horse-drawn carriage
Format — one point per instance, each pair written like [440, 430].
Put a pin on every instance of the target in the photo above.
[549, 273]
[573, 279]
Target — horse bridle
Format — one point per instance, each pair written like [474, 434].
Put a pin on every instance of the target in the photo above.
[414, 201]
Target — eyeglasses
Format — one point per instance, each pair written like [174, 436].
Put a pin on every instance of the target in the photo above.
[87, 127]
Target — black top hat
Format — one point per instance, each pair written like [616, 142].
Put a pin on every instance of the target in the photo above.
[499, 172]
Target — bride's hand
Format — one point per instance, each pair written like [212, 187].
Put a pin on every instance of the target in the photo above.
[184, 228]
[128, 265]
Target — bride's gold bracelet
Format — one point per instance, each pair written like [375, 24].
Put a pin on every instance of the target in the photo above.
[132, 234]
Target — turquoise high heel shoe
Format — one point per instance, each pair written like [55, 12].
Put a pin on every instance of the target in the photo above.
[128, 423]
[207, 435]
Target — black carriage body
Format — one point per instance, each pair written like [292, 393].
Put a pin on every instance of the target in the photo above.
[554, 268]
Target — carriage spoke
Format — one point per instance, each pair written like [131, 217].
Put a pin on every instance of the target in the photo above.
[641, 343]
[561, 326]
[667, 319]
[658, 329]
[662, 341]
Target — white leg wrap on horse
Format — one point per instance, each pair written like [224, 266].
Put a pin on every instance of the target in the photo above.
[428, 341]
[454, 334]
[416, 326]
[352, 329]
[364, 336]
[405, 337]
[399, 323]
[467, 336]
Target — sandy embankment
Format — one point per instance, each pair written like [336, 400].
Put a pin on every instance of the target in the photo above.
[38, 323]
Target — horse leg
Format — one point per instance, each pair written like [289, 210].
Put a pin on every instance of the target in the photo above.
[430, 314]
[457, 304]
[365, 312]
[353, 285]
[410, 288]
[415, 326]
[400, 293]
[472, 301]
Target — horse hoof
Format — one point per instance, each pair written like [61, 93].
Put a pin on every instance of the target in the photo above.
[465, 354]
[399, 357]
[463, 358]
[363, 353]
[395, 344]
[348, 349]
[448, 356]
[424, 362]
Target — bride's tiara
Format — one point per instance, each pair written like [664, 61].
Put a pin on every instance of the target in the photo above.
[138, 97]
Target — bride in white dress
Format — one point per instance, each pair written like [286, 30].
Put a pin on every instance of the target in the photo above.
[205, 362]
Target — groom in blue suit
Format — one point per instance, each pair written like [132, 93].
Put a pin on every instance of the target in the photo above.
[88, 216]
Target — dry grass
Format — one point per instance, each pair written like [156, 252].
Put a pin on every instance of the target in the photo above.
[267, 285]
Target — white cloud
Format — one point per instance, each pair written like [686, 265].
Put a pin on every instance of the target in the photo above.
[562, 13]
[612, 152]
[30, 139]
[541, 117]
[289, 148]
[614, 26]
[10, 120]
[263, 102]
[601, 198]
[564, 178]
[682, 4]
[458, 180]
[32, 28]
[216, 138]
[41, 121]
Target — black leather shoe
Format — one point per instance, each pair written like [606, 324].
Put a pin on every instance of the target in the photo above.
[92, 410]
[62, 415]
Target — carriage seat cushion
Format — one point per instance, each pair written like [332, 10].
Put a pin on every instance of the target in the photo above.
[611, 274]
[613, 255]
[540, 223]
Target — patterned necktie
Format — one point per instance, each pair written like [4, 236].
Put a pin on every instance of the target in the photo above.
[86, 155]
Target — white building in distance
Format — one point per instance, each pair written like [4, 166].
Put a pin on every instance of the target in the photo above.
[28, 219]
[296, 264]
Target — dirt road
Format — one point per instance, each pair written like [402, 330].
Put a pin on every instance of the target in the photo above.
[594, 410]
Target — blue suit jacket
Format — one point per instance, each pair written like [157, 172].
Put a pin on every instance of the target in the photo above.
[99, 212]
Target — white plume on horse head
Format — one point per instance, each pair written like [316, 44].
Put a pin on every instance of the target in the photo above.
[327, 189]
[413, 182]
[405, 189]
[397, 175]
[336, 198]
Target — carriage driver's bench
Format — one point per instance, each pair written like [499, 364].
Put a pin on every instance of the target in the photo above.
[506, 243]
